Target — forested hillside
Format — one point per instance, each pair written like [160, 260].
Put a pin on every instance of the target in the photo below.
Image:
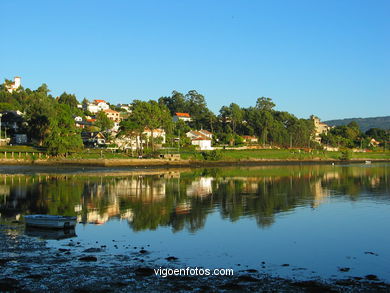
[364, 123]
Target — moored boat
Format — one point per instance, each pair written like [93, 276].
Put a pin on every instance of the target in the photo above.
[50, 221]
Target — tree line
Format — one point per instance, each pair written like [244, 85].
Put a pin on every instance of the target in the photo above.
[49, 121]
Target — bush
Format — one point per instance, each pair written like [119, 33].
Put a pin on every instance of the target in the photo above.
[213, 155]
[346, 155]
[150, 154]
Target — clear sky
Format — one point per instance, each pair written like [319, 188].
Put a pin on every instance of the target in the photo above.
[327, 57]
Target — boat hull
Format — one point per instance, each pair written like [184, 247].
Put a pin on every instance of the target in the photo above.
[50, 222]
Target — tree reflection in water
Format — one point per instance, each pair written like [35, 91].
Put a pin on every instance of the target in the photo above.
[184, 200]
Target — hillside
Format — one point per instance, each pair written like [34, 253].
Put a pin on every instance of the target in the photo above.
[364, 123]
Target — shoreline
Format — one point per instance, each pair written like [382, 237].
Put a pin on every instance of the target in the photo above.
[177, 163]
[30, 265]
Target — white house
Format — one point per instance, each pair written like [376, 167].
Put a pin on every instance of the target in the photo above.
[200, 188]
[182, 116]
[15, 85]
[97, 106]
[206, 133]
[131, 142]
[93, 108]
[201, 138]
[158, 132]
[125, 107]
[193, 134]
[250, 139]
[204, 143]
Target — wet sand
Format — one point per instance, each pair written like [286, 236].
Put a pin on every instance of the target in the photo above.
[28, 264]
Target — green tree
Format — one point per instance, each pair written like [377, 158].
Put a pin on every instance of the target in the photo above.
[103, 122]
[39, 112]
[175, 103]
[265, 104]
[68, 99]
[233, 114]
[43, 88]
[63, 136]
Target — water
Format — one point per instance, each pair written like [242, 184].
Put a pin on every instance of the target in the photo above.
[315, 218]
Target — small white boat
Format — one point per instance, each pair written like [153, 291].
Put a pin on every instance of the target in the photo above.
[50, 221]
[367, 162]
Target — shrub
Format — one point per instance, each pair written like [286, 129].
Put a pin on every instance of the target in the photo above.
[213, 155]
[346, 155]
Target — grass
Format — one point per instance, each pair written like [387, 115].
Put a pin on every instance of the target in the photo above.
[189, 154]
[285, 154]
[20, 148]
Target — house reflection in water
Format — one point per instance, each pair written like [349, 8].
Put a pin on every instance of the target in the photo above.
[201, 187]
[158, 198]
[322, 193]
[144, 189]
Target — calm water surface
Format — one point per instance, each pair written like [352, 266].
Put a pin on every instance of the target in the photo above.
[316, 218]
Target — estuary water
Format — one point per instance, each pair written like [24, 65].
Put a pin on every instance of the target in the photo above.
[294, 221]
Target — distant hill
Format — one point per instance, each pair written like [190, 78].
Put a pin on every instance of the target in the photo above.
[364, 123]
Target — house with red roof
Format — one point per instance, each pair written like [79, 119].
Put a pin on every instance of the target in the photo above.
[182, 116]
[97, 106]
[250, 139]
[112, 115]
[201, 139]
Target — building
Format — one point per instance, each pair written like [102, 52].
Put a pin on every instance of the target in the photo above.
[97, 106]
[250, 139]
[113, 115]
[93, 108]
[206, 133]
[374, 143]
[203, 143]
[201, 187]
[201, 138]
[14, 85]
[134, 141]
[319, 128]
[125, 107]
[157, 133]
[182, 116]
[93, 139]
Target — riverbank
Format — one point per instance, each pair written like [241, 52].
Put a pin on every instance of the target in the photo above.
[107, 158]
[28, 264]
[178, 163]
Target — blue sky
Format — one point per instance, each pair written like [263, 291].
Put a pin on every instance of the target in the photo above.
[329, 58]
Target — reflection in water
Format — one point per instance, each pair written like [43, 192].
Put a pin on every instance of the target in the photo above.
[184, 200]
[313, 217]
[50, 234]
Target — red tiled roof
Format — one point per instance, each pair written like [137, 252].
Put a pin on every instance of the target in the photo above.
[249, 137]
[99, 101]
[202, 138]
[111, 111]
[183, 115]
[156, 130]
[205, 131]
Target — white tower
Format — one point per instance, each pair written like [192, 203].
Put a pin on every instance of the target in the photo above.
[17, 82]
[15, 85]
